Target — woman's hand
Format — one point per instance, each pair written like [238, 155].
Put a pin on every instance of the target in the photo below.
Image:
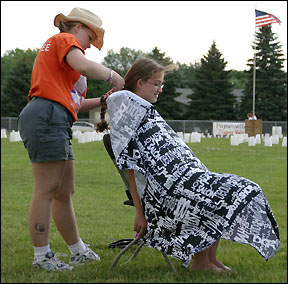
[117, 81]
[140, 224]
[105, 97]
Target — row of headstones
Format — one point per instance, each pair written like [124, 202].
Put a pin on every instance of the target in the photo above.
[83, 137]
[268, 140]
[88, 136]
[14, 135]
[194, 137]
[236, 139]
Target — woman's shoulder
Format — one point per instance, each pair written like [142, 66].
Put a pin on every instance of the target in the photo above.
[65, 38]
[125, 96]
[63, 35]
[65, 41]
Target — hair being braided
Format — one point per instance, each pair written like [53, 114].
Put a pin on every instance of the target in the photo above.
[144, 69]
[103, 124]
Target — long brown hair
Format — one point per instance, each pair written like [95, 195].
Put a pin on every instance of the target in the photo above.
[144, 69]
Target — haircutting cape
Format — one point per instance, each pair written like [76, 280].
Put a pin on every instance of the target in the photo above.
[187, 207]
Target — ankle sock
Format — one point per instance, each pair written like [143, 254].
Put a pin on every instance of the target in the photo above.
[78, 247]
[40, 252]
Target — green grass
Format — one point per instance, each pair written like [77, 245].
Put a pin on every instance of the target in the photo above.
[102, 218]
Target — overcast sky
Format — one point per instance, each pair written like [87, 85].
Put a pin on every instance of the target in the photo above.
[184, 30]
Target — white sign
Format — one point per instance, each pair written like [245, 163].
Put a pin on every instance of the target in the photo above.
[228, 128]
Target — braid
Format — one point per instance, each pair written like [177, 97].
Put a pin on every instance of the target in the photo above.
[103, 124]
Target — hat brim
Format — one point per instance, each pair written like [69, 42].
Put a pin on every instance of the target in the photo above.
[99, 31]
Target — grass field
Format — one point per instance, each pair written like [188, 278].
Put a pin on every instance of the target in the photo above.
[102, 218]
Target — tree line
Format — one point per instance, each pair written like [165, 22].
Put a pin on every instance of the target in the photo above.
[211, 85]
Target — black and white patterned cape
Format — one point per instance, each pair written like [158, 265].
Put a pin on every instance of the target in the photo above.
[187, 207]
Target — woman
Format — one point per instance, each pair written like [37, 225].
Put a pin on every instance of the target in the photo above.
[182, 208]
[57, 94]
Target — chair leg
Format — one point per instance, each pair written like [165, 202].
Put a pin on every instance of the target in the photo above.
[123, 251]
[169, 262]
[134, 253]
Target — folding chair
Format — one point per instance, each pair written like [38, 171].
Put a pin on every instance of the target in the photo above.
[135, 241]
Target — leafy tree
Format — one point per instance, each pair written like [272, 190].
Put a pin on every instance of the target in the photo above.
[271, 80]
[212, 97]
[167, 107]
[16, 70]
[122, 61]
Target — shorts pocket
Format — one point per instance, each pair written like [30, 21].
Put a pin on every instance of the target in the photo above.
[45, 135]
[49, 143]
[47, 139]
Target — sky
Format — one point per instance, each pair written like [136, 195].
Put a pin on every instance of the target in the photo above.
[183, 30]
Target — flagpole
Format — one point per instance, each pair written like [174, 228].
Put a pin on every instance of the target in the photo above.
[254, 72]
[254, 78]
[262, 19]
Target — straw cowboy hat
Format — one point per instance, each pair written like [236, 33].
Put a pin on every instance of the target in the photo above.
[87, 18]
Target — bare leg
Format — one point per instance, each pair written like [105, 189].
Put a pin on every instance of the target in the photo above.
[213, 259]
[39, 219]
[201, 261]
[47, 177]
[62, 207]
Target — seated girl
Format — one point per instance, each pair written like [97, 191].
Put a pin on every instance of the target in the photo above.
[182, 208]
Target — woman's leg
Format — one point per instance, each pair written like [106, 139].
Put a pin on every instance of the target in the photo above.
[47, 177]
[201, 261]
[65, 220]
[62, 207]
[213, 259]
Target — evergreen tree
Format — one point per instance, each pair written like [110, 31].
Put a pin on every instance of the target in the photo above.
[271, 80]
[167, 107]
[212, 97]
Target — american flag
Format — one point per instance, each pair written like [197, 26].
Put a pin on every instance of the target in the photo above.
[265, 19]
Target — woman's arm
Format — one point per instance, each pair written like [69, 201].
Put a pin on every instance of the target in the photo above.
[140, 223]
[95, 102]
[91, 69]
[89, 104]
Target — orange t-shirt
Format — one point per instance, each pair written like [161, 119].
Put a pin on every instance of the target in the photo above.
[53, 79]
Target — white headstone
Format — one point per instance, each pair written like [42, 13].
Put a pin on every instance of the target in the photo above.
[284, 142]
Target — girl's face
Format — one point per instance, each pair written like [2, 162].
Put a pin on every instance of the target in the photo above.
[84, 35]
[149, 90]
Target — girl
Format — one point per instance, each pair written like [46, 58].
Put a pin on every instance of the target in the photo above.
[57, 94]
[182, 208]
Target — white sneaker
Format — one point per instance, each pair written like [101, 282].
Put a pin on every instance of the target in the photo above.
[51, 262]
[82, 257]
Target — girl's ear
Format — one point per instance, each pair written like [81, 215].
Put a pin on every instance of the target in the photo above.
[139, 83]
[77, 27]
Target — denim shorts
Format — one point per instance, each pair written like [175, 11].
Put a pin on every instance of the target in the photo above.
[45, 129]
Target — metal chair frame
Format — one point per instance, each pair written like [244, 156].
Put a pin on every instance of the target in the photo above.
[124, 176]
